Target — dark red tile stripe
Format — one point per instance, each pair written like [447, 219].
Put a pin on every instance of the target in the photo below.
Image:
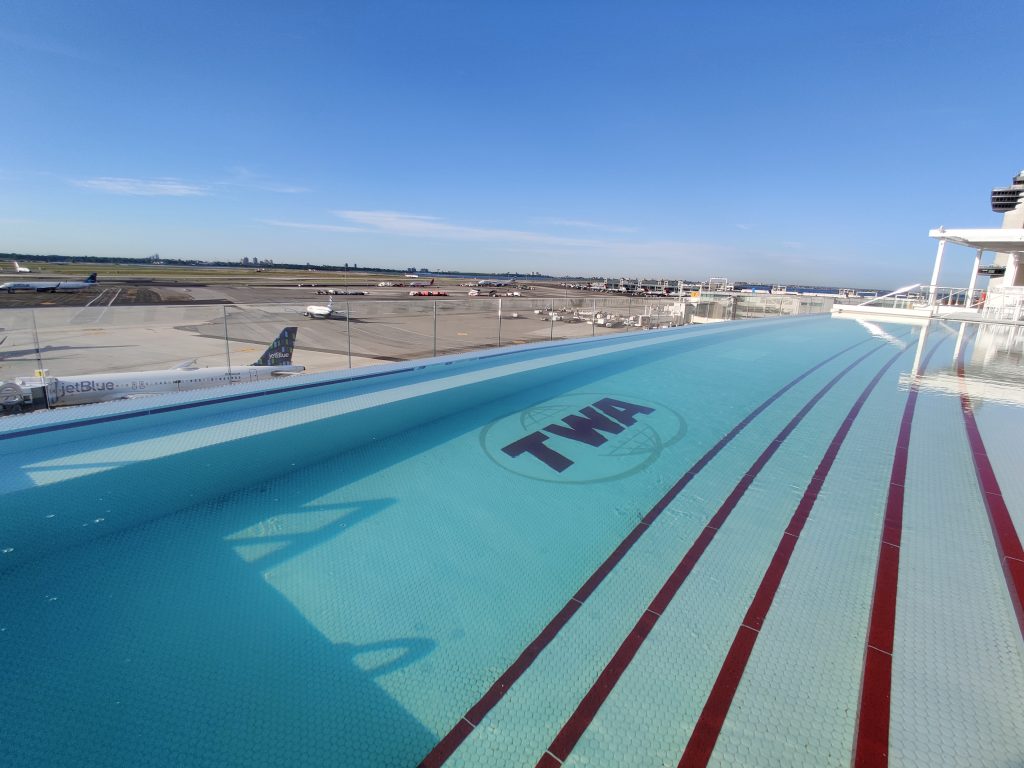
[588, 707]
[871, 740]
[709, 725]
[1008, 544]
[446, 747]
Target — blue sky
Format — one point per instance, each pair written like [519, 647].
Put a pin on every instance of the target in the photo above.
[794, 142]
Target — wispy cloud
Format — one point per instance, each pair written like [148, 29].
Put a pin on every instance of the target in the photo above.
[393, 222]
[312, 227]
[507, 241]
[587, 225]
[141, 187]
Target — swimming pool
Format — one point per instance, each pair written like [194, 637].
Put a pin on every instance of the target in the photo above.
[750, 544]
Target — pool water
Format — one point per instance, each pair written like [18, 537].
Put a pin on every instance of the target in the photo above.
[771, 543]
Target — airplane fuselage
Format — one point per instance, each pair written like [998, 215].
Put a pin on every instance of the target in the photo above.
[323, 313]
[48, 286]
[78, 390]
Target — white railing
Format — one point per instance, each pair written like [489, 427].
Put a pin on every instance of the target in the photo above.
[1005, 304]
[908, 297]
[898, 299]
[942, 296]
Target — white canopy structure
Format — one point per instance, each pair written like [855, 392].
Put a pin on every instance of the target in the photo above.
[1004, 298]
[1005, 240]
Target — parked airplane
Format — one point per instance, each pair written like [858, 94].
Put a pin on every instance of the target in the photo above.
[51, 287]
[78, 390]
[319, 312]
[421, 284]
[19, 268]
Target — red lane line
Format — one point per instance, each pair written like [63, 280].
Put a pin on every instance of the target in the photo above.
[446, 747]
[588, 707]
[712, 717]
[1008, 544]
[871, 742]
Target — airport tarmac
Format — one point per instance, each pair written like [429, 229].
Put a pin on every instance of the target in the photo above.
[163, 326]
[78, 340]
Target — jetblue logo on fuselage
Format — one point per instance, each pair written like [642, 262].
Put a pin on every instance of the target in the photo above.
[583, 438]
[74, 387]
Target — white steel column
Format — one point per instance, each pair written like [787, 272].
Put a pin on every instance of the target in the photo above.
[1012, 265]
[974, 278]
[935, 272]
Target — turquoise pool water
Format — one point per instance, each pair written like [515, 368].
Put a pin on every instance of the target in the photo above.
[774, 543]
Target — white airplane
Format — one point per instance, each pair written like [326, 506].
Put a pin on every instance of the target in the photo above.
[50, 287]
[19, 268]
[78, 390]
[319, 312]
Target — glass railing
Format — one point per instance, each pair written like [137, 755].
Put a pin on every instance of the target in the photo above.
[69, 341]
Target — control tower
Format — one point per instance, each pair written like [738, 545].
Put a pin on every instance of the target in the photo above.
[1009, 201]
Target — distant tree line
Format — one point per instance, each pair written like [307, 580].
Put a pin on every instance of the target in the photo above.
[57, 259]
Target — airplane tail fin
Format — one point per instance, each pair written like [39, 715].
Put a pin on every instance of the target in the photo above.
[16, 267]
[431, 281]
[91, 278]
[280, 350]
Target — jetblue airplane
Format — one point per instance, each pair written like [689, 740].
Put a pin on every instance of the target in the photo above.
[77, 390]
[51, 287]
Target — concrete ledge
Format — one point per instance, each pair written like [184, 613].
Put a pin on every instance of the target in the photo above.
[890, 312]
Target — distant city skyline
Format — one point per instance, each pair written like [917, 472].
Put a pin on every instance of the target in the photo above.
[795, 143]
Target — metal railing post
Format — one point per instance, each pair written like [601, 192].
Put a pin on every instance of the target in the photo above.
[35, 338]
[227, 347]
[435, 327]
[499, 322]
[348, 329]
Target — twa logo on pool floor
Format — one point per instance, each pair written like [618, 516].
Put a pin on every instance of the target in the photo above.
[583, 438]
